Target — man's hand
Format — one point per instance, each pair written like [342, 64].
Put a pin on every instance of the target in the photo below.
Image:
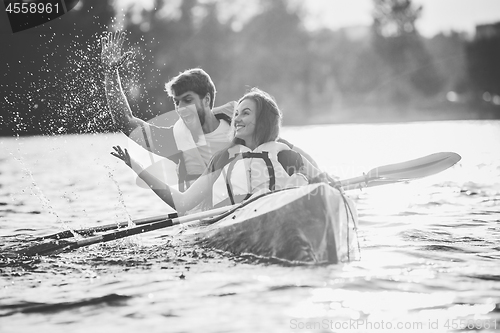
[111, 50]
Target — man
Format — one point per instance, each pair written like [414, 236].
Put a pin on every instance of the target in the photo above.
[201, 131]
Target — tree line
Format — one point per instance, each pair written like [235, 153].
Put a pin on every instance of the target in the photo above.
[52, 81]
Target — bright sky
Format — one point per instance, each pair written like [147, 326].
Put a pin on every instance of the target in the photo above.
[437, 15]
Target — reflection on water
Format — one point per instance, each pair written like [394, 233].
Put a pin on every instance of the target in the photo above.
[430, 248]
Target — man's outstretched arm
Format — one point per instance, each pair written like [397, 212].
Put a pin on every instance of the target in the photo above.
[117, 101]
[159, 140]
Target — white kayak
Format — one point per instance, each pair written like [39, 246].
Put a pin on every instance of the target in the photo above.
[311, 224]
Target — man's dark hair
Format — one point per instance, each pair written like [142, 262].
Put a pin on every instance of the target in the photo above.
[196, 80]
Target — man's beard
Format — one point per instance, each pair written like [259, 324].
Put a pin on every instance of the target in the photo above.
[197, 130]
[201, 116]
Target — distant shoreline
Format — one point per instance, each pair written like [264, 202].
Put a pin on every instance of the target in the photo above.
[365, 115]
[357, 115]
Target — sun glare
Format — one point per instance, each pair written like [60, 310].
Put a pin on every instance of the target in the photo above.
[338, 14]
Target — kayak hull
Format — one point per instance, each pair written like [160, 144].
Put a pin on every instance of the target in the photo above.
[311, 224]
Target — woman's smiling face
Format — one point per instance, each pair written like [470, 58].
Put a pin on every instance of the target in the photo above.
[245, 118]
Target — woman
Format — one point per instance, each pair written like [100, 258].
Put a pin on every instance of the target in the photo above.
[254, 162]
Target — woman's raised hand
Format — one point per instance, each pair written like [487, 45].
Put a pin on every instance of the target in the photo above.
[111, 56]
[122, 154]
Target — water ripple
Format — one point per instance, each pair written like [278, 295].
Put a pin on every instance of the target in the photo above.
[109, 300]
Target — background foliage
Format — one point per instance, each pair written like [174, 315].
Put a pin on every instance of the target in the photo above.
[52, 81]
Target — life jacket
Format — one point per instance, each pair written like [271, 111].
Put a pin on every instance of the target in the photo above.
[185, 143]
[248, 172]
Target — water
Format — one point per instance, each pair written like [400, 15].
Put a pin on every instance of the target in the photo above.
[429, 249]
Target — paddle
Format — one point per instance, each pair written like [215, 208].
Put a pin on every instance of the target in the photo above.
[92, 230]
[382, 175]
[58, 246]
[404, 171]
[388, 174]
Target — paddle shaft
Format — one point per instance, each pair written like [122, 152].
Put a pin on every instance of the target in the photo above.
[387, 174]
[383, 175]
[62, 245]
[90, 231]
[149, 227]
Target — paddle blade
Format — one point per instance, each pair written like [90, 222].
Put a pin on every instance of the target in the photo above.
[418, 168]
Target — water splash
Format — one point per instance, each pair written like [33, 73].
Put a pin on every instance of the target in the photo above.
[36, 190]
[121, 198]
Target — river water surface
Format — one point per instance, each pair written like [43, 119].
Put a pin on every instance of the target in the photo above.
[430, 249]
